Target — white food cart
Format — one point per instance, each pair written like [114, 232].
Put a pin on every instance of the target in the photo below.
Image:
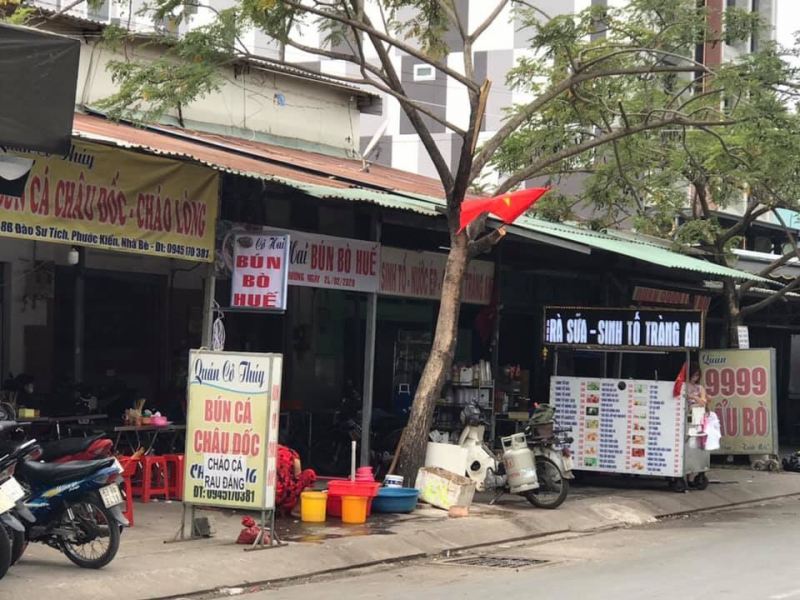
[629, 426]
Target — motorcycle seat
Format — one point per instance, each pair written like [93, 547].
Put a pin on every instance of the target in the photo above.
[58, 448]
[54, 474]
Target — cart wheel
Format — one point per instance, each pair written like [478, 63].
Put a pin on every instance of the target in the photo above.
[678, 485]
[700, 481]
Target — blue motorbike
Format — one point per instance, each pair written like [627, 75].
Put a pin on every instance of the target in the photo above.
[75, 508]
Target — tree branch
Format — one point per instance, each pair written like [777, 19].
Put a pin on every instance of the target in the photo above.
[366, 80]
[752, 308]
[439, 163]
[376, 35]
[526, 112]
[480, 29]
[486, 243]
[534, 169]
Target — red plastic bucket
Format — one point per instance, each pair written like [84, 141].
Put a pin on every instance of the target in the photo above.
[344, 487]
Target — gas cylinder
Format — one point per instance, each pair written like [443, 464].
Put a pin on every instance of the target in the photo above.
[519, 463]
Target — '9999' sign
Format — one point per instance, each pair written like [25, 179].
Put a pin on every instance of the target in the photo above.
[740, 385]
[742, 381]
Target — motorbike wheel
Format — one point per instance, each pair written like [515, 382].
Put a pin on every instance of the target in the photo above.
[94, 533]
[5, 552]
[553, 487]
[18, 545]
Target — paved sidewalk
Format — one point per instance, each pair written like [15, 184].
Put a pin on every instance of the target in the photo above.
[148, 568]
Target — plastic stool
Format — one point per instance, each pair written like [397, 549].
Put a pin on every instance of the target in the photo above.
[129, 468]
[155, 480]
[175, 475]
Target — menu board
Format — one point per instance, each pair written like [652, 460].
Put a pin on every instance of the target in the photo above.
[621, 426]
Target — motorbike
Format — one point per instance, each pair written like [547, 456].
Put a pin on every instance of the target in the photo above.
[11, 495]
[537, 469]
[72, 449]
[75, 507]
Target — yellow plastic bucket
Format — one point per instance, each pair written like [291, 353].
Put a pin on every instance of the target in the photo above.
[312, 506]
[354, 509]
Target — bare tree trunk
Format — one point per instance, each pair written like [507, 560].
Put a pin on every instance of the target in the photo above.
[733, 315]
[415, 436]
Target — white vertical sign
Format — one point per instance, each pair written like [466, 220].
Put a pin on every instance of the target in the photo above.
[744, 337]
[260, 272]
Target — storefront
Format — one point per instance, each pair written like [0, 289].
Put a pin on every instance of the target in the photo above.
[104, 252]
[365, 270]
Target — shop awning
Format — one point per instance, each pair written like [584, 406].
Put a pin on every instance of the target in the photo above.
[323, 176]
[645, 251]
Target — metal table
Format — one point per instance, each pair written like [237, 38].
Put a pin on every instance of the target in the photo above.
[146, 436]
[82, 420]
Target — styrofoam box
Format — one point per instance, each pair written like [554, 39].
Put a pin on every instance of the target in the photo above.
[444, 489]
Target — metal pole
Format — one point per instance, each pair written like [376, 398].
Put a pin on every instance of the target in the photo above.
[79, 315]
[498, 263]
[209, 289]
[369, 360]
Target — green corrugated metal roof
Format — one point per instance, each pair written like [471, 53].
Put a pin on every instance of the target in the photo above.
[639, 250]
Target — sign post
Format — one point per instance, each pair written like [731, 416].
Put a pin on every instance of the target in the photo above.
[232, 434]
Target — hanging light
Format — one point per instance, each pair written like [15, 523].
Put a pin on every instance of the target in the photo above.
[73, 257]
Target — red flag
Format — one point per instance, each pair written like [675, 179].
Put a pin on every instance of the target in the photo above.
[679, 381]
[507, 207]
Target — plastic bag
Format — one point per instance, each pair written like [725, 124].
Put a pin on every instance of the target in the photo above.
[250, 533]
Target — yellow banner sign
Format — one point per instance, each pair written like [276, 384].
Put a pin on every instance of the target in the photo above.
[232, 429]
[740, 385]
[110, 198]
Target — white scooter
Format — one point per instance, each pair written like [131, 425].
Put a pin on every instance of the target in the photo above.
[535, 467]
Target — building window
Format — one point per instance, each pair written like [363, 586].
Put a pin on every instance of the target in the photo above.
[423, 72]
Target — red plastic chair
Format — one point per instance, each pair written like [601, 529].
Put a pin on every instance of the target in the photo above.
[155, 480]
[175, 475]
[129, 468]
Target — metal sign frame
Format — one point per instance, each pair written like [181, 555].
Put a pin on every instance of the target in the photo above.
[267, 508]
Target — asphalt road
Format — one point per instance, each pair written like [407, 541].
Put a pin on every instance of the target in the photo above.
[750, 553]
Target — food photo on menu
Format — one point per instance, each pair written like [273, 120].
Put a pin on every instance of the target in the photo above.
[593, 399]
[592, 411]
[637, 452]
[592, 423]
[638, 440]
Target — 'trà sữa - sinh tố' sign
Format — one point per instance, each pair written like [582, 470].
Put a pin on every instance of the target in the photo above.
[623, 328]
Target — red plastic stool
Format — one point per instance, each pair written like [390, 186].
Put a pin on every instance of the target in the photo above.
[155, 480]
[175, 475]
[129, 468]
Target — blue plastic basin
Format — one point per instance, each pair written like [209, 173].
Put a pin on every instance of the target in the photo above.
[395, 500]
